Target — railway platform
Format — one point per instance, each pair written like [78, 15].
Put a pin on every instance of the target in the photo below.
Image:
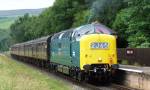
[137, 77]
[139, 69]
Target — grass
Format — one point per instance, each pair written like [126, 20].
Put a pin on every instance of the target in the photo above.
[17, 76]
[6, 22]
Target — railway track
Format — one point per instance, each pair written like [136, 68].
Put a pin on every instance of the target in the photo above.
[79, 85]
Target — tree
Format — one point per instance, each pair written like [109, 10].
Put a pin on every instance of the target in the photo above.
[129, 18]
[133, 23]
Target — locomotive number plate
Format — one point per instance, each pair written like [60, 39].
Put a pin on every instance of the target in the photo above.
[99, 45]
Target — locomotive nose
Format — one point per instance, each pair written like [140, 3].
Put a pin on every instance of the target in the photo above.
[97, 49]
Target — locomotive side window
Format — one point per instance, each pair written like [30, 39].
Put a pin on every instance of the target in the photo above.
[67, 34]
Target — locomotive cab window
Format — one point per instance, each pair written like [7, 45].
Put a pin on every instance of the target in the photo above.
[83, 30]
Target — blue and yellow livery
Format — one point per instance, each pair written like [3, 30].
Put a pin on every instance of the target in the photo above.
[88, 51]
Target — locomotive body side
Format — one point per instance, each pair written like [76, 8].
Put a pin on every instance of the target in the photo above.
[60, 49]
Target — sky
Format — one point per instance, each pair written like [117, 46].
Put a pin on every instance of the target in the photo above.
[24, 4]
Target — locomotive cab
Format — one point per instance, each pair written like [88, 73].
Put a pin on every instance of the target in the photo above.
[94, 48]
[89, 49]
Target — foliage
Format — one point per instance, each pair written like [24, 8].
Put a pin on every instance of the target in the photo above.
[54, 19]
[133, 23]
[20, 29]
[81, 18]
[4, 39]
[7, 18]
[129, 18]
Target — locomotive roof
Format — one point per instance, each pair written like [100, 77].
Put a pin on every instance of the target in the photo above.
[42, 39]
[97, 26]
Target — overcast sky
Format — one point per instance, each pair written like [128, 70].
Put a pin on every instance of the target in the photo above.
[24, 4]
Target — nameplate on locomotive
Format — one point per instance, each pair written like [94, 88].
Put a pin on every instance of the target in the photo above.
[99, 45]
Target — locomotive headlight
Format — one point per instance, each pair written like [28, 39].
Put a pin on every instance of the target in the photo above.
[95, 70]
[100, 59]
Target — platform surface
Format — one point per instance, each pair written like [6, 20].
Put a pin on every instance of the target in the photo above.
[138, 69]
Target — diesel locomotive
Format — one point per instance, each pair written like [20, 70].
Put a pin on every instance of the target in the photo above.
[85, 52]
